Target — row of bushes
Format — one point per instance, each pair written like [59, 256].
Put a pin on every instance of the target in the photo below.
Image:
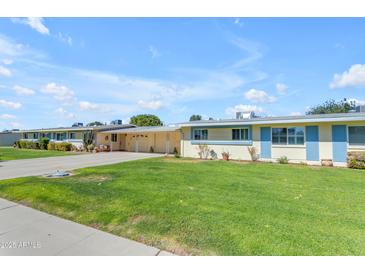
[44, 144]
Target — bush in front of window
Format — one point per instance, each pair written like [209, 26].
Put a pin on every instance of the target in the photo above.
[356, 159]
[283, 160]
[63, 146]
[43, 143]
[23, 144]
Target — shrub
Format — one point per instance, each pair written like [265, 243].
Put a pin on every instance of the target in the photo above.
[226, 155]
[43, 143]
[64, 146]
[356, 159]
[253, 154]
[176, 153]
[90, 148]
[283, 160]
[203, 151]
[27, 144]
[51, 146]
[152, 150]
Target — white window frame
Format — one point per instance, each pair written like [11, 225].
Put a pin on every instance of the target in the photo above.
[348, 138]
[287, 137]
[240, 130]
[201, 134]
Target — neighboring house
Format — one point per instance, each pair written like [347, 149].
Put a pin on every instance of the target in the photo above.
[308, 139]
[72, 135]
[8, 137]
[159, 139]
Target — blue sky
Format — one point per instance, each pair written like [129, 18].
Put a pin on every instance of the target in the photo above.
[56, 71]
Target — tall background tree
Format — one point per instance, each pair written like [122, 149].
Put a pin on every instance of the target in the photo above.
[95, 123]
[143, 120]
[195, 117]
[331, 106]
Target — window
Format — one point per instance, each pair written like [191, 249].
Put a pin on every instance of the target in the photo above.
[72, 135]
[114, 137]
[357, 136]
[240, 134]
[200, 134]
[279, 136]
[296, 136]
[35, 135]
[25, 135]
[285, 136]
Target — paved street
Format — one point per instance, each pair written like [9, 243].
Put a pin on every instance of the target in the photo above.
[41, 166]
[26, 231]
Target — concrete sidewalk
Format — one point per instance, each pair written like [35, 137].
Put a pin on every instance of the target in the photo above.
[41, 166]
[26, 231]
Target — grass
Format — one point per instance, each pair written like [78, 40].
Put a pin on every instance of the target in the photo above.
[211, 207]
[10, 153]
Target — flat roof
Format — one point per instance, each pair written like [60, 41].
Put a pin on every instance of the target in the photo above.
[335, 117]
[145, 129]
[83, 128]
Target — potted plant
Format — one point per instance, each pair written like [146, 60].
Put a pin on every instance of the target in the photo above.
[225, 155]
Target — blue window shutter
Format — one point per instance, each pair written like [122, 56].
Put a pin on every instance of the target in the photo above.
[265, 140]
[312, 138]
[339, 143]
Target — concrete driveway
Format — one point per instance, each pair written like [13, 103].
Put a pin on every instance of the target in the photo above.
[26, 231]
[41, 166]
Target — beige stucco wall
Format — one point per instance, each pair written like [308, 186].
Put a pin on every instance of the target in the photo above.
[161, 142]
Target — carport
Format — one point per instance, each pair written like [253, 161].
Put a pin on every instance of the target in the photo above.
[159, 139]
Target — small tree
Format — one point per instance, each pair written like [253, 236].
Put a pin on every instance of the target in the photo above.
[95, 123]
[143, 120]
[331, 106]
[195, 117]
[88, 139]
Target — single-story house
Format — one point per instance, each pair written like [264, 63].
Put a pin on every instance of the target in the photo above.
[9, 137]
[74, 134]
[308, 139]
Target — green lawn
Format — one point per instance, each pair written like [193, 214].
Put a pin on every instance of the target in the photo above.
[10, 153]
[211, 207]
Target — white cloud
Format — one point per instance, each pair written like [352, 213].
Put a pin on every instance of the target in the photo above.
[238, 22]
[84, 105]
[295, 113]
[259, 96]
[60, 93]
[35, 23]
[252, 49]
[154, 52]
[15, 125]
[231, 111]
[64, 113]
[153, 105]
[5, 71]
[354, 77]
[7, 116]
[22, 90]
[281, 88]
[9, 104]
[7, 61]
[64, 38]
[357, 101]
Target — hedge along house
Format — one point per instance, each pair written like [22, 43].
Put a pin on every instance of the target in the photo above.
[73, 135]
[310, 138]
[159, 139]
